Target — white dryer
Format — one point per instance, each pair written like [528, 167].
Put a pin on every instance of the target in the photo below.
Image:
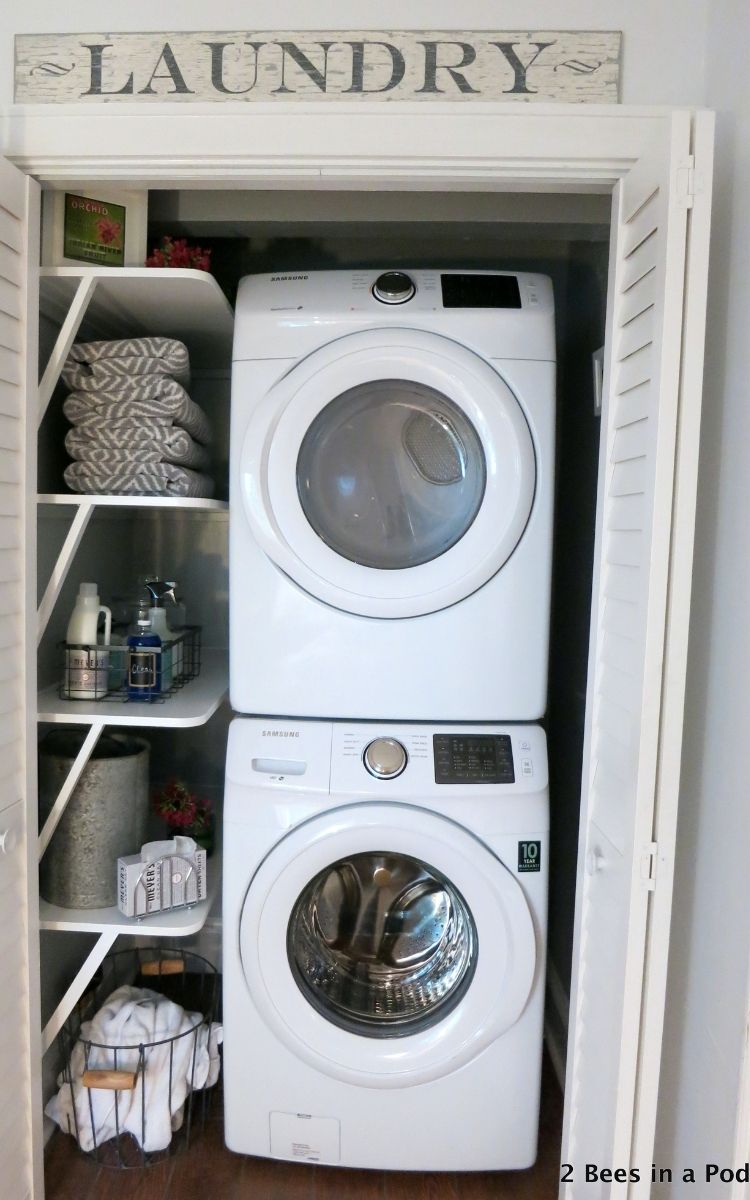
[384, 941]
[392, 450]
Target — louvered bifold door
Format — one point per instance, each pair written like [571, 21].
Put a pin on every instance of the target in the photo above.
[624, 698]
[15, 1027]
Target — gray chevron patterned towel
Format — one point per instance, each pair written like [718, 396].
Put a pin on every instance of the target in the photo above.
[159, 400]
[108, 442]
[138, 479]
[90, 363]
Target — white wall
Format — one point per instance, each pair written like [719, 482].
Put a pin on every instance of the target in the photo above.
[663, 41]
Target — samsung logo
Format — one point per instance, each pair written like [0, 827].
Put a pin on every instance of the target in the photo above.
[286, 278]
[280, 733]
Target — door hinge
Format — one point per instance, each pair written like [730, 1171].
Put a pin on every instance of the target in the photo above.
[686, 184]
[648, 865]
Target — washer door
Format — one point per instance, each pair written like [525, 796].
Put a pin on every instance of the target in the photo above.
[391, 473]
[385, 945]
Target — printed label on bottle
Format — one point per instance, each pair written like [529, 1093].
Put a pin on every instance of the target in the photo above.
[142, 669]
[86, 672]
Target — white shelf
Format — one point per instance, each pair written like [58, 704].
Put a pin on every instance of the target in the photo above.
[147, 301]
[181, 923]
[193, 705]
[78, 499]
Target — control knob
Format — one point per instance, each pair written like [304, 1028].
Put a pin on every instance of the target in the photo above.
[385, 758]
[393, 287]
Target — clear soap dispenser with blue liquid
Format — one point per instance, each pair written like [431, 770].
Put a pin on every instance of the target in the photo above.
[144, 657]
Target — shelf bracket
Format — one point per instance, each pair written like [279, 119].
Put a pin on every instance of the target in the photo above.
[62, 565]
[103, 945]
[66, 791]
[65, 339]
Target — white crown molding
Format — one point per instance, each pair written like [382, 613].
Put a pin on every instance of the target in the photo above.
[402, 145]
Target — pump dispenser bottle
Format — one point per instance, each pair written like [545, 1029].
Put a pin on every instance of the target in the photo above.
[144, 658]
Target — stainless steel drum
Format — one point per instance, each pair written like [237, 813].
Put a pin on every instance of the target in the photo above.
[381, 944]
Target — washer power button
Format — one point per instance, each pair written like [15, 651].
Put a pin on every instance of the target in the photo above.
[393, 287]
[385, 758]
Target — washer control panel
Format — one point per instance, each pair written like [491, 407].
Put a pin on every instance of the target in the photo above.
[473, 758]
[385, 758]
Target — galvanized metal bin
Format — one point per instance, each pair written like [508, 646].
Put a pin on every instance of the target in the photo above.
[105, 817]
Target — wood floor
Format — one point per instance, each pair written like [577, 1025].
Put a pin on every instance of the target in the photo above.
[208, 1171]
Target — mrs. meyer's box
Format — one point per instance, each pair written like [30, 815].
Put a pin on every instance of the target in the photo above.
[164, 875]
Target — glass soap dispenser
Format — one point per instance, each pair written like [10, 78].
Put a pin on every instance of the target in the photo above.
[144, 657]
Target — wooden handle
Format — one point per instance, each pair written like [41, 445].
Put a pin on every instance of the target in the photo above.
[164, 966]
[119, 1081]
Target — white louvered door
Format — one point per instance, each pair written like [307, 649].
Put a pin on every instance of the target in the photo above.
[614, 941]
[18, 214]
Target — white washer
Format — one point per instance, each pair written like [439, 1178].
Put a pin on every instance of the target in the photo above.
[384, 943]
[392, 451]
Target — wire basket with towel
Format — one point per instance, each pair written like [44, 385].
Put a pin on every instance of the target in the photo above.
[140, 1060]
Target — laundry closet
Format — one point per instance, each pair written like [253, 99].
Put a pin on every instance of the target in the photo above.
[564, 238]
[568, 237]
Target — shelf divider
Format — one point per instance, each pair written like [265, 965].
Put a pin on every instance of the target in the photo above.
[62, 566]
[100, 949]
[66, 791]
[65, 338]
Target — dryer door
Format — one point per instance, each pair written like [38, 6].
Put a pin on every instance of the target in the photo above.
[386, 945]
[391, 473]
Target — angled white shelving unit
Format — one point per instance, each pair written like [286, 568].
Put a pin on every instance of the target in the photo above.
[92, 303]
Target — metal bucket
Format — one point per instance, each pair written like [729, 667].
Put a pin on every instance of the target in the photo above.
[105, 817]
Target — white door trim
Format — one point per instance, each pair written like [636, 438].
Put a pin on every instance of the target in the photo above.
[484, 147]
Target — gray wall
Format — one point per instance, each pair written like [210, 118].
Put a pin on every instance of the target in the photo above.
[707, 1013]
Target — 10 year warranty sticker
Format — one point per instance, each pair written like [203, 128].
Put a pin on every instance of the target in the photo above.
[529, 856]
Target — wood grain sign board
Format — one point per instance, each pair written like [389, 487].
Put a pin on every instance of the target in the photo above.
[572, 65]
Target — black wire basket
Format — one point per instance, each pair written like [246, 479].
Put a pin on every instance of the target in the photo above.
[137, 1102]
[101, 672]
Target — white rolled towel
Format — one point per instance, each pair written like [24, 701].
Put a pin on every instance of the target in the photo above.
[131, 1018]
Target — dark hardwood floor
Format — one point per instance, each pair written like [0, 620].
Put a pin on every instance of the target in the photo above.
[208, 1171]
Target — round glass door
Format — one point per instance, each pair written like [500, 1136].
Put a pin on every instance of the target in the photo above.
[382, 944]
[385, 945]
[391, 474]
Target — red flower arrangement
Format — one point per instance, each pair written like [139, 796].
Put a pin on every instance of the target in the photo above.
[175, 252]
[182, 810]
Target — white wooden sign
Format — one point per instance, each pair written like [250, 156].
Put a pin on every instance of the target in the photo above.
[570, 65]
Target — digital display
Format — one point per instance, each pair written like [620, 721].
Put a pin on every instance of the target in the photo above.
[480, 291]
[473, 758]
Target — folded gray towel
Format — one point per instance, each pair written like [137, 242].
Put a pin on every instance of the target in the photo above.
[89, 362]
[155, 398]
[133, 439]
[143, 479]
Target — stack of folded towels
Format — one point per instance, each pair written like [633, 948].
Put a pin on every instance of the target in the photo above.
[136, 432]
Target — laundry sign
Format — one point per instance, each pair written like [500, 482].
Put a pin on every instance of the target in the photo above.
[540, 65]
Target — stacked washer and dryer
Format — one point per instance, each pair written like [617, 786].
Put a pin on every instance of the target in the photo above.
[386, 812]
